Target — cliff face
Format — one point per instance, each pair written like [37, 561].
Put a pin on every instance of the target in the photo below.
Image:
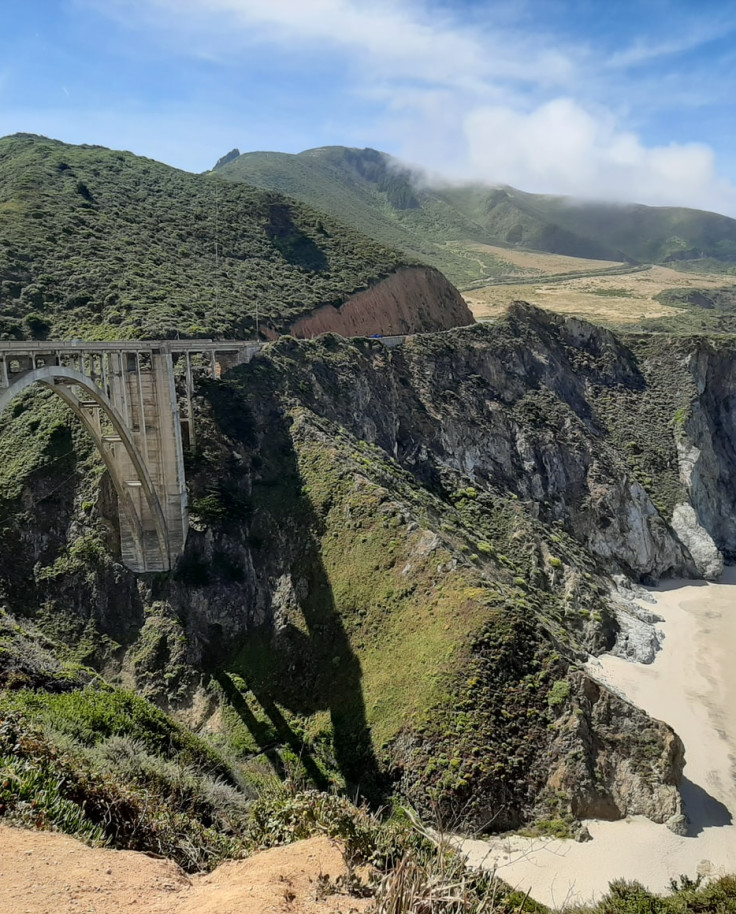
[613, 775]
[523, 407]
[706, 442]
[397, 556]
[412, 300]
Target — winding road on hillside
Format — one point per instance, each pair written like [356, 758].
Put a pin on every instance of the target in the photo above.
[545, 278]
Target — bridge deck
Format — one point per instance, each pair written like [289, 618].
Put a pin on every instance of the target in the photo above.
[28, 347]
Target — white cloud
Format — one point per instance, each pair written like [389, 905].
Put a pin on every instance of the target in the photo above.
[397, 39]
[485, 99]
[560, 147]
[643, 50]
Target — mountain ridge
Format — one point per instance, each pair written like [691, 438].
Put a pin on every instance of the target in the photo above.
[390, 199]
[99, 243]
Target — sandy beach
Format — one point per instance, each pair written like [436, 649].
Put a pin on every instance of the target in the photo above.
[692, 686]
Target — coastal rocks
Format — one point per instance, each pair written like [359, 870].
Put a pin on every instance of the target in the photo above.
[634, 534]
[706, 555]
[677, 824]
[706, 441]
[637, 640]
[611, 760]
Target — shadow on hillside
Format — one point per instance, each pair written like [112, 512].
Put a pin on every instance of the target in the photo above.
[702, 810]
[263, 734]
[300, 658]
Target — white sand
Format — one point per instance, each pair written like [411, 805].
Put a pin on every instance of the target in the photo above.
[692, 686]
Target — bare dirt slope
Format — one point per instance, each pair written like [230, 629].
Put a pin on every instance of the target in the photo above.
[46, 873]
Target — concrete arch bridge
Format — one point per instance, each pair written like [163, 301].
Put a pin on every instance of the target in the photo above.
[125, 394]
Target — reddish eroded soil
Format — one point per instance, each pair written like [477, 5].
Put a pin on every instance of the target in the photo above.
[412, 300]
[45, 873]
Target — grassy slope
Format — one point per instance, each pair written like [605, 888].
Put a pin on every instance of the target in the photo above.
[645, 233]
[366, 193]
[106, 765]
[509, 217]
[371, 191]
[102, 244]
[396, 637]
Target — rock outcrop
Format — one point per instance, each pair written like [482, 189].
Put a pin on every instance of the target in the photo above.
[618, 772]
[706, 445]
[513, 406]
[706, 555]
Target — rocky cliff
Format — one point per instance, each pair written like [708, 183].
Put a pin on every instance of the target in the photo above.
[706, 440]
[398, 558]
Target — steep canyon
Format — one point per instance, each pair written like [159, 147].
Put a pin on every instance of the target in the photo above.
[398, 559]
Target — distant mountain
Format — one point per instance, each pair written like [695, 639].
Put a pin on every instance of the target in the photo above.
[100, 244]
[648, 234]
[444, 225]
[372, 192]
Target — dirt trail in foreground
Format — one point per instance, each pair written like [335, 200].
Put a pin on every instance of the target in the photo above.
[44, 873]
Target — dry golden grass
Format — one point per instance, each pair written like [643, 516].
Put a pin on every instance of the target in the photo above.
[533, 262]
[618, 299]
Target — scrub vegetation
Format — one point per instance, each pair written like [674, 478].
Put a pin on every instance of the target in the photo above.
[100, 244]
[464, 229]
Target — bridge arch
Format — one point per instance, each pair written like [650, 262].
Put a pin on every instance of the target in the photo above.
[63, 381]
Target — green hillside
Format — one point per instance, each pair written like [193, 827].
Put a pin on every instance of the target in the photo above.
[369, 190]
[97, 243]
[652, 234]
[509, 218]
[442, 224]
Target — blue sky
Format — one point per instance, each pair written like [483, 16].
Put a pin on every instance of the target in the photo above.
[614, 100]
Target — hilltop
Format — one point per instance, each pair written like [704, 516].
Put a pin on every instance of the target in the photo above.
[447, 225]
[101, 244]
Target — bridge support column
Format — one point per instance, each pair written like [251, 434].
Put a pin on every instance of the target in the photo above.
[144, 393]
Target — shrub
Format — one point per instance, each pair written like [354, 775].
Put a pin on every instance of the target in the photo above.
[161, 810]
[283, 814]
[559, 692]
[38, 326]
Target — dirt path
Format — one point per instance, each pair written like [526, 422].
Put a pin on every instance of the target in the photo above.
[44, 873]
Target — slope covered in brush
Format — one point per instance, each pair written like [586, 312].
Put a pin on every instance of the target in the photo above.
[443, 224]
[102, 244]
[366, 188]
[648, 234]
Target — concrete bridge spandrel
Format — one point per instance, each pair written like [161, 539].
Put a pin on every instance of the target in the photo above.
[125, 395]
